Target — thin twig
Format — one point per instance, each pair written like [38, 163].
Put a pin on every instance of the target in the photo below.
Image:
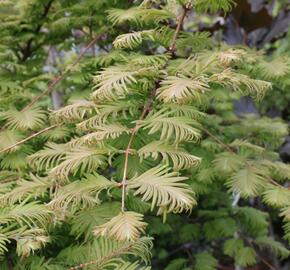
[146, 109]
[60, 77]
[186, 8]
[227, 147]
[28, 138]
[251, 243]
[266, 263]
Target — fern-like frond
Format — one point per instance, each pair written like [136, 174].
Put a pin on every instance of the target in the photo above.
[286, 228]
[112, 82]
[133, 266]
[108, 59]
[74, 112]
[275, 246]
[278, 169]
[223, 227]
[35, 187]
[195, 41]
[85, 220]
[163, 36]
[8, 138]
[242, 83]
[276, 196]
[277, 68]
[120, 16]
[152, 15]
[132, 40]
[82, 159]
[227, 162]
[232, 246]
[182, 89]
[4, 241]
[103, 132]
[59, 133]
[247, 145]
[135, 166]
[205, 261]
[127, 226]
[163, 189]
[185, 110]
[9, 86]
[248, 181]
[139, 15]
[246, 256]
[26, 214]
[253, 219]
[229, 56]
[16, 160]
[82, 194]
[28, 241]
[23, 120]
[172, 128]
[179, 157]
[113, 109]
[49, 157]
[212, 5]
[148, 60]
[104, 252]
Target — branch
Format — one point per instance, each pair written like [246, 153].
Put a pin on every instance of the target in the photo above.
[250, 242]
[28, 138]
[227, 147]
[147, 107]
[60, 77]
[230, 150]
[186, 8]
[145, 111]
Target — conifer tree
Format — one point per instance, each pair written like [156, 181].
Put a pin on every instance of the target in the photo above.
[148, 135]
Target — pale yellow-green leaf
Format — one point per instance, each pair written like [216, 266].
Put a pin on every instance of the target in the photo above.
[125, 226]
[85, 159]
[82, 193]
[249, 181]
[113, 82]
[27, 119]
[179, 157]
[172, 128]
[163, 189]
[182, 89]
[276, 196]
[103, 132]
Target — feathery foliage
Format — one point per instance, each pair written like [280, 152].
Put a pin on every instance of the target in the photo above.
[145, 126]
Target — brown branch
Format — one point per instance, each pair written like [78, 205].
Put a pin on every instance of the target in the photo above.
[185, 10]
[60, 77]
[145, 111]
[251, 243]
[147, 107]
[28, 138]
[227, 147]
[267, 263]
